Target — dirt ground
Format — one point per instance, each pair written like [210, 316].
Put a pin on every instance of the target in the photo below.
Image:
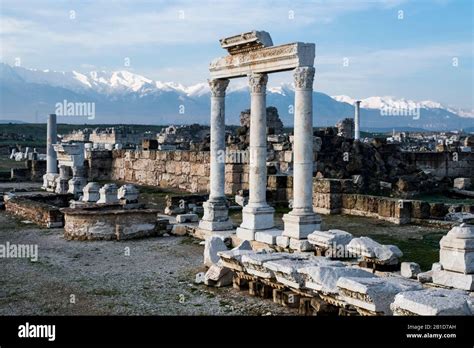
[157, 278]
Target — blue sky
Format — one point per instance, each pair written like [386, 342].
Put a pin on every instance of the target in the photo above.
[410, 57]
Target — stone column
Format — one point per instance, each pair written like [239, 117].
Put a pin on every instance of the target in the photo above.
[49, 179]
[302, 221]
[216, 212]
[357, 120]
[52, 138]
[257, 214]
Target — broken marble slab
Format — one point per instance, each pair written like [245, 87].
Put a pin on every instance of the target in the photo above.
[233, 258]
[369, 248]
[268, 237]
[324, 278]
[286, 270]
[283, 241]
[425, 277]
[433, 302]
[254, 263]
[329, 239]
[454, 279]
[374, 294]
[213, 245]
[218, 275]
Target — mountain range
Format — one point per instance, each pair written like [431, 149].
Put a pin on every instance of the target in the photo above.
[126, 97]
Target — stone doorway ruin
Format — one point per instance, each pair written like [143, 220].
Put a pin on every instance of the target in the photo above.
[252, 54]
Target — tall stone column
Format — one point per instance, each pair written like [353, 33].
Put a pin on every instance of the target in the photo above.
[52, 138]
[357, 120]
[216, 212]
[302, 221]
[49, 179]
[257, 214]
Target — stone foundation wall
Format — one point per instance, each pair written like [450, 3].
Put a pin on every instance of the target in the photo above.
[333, 196]
[190, 171]
[98, 165]
[41, 210]
[117, 224]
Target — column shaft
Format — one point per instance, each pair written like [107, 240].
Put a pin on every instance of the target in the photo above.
[52, 138]
[302, 221]
[357, 120]
[216, 212]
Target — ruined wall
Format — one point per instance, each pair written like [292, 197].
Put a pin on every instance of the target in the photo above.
[449, 164]
[333, 196]
[41, 210]
[187, 170]
[98, 165]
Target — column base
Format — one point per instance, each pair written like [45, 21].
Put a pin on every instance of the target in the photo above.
[300, 226]
[255, 219]
[216, 216]
[49, 182]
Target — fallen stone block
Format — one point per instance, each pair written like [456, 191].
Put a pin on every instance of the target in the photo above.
[268, 237]
[253, 263]
[324, 278]
[410, 270]
[328, 239]
[213, 245]
[374, 294]
[433, 302]
[300, 245]
[233, 258]
[454, 280]
[182, 218]
[286, 270]
[178, 230]
[368, 248]
[425, 277]
[218, 276]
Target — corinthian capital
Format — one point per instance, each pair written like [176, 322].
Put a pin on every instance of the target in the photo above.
[218, 87]
[258, 83]
[304, 77]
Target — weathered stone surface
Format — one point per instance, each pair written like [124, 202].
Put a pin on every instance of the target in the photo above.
[425, 277]
[324, 278]
[182, 218]
[179, 230]
[327, 239]
[128, 192]
[410, 269]
[108, 194]
[218, 276]
[374, 294]
[432, 302]
[286, 270]
[300, 245]
[91, 192]
[268, 237]
[462, 183]
[454, 279]
[367, 247]
[283, 241]
[457, 249]
[213, 245]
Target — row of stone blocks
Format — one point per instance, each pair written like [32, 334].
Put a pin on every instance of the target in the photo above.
[336, 277]
[391, 209]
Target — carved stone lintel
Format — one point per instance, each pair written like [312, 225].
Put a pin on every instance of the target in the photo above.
[218, 87]
[258, 83]
[304, 77]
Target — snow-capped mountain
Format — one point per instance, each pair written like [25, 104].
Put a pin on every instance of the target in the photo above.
[126, 97]
[402, 103]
